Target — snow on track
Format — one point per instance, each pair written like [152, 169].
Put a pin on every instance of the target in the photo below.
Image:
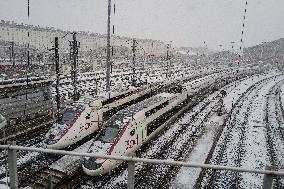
[186, 177]
[243, 141]
[275, 137]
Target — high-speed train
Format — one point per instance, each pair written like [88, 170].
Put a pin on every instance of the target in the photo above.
[77, 122]
[128, 130]
[85, 117]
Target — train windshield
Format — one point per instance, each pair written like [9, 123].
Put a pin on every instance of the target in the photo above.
[113, 127]
[71, 114]
[109, 135]
[57, 131]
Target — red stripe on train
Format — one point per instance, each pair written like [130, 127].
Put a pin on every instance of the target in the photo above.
[118, 138]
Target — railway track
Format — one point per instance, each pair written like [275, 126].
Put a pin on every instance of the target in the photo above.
[273, 132]
[230, 124]
[242, 129]
[280, 113]
[234, 128]
[32, 137]
[26, 130]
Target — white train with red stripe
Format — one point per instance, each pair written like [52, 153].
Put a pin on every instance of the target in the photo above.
[77, 122]
[129, 129]
[85, 116]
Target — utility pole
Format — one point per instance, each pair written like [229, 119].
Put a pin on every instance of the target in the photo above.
[232, 43]
[168, 59]
[221, 58]
[144, 58]
[12, 54]
[134, 45]
[108, 63]
[152, 56]
[74, 45]
[56, 56]
[28, 61]
[56, 59]
[262, 49]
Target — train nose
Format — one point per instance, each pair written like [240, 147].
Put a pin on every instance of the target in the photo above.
[92, 163]
[93, 167]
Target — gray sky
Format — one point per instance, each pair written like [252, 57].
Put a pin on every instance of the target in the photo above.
[185, 22]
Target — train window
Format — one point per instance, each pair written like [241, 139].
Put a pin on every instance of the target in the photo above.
[110, 100]
[132, 132]
[71, 114]
[154, 110]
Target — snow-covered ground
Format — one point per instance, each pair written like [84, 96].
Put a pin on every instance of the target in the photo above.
[187, 177]
[244, 140]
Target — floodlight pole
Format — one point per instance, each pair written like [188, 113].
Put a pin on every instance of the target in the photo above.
[56, 56]
[74, 45]
[108, 63]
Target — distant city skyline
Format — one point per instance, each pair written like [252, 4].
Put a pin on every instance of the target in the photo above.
[185, 23]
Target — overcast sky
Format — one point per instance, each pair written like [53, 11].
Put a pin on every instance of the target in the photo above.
[185, 22]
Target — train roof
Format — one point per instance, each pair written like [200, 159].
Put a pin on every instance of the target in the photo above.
[133, 109]
[22, 82]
